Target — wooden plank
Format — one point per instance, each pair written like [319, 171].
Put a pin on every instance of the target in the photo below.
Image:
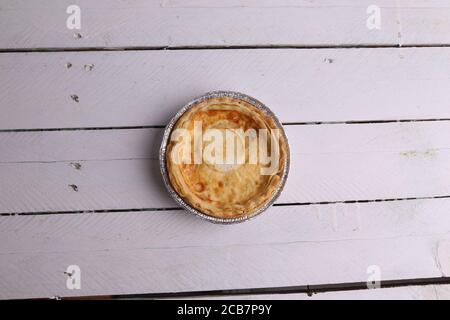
[122, 144]
[423, 22]
[431, 292]
[160, 23]
[118, 169]
[173, 23]
[81, 145]
[135, 88]
[151, 252]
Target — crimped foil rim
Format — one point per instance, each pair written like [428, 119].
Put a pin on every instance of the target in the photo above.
[165, 140]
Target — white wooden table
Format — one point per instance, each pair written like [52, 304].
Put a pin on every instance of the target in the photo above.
[366, 111]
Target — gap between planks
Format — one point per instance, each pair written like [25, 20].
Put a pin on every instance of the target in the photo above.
[125, 210]
[309, 123]
[309, 290]
[231, 47]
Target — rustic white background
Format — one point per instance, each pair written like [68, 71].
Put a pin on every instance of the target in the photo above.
[366, 113]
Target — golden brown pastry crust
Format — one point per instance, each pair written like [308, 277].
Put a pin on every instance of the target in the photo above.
[237, 191]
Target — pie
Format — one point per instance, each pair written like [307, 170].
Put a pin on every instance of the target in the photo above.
[233, 189]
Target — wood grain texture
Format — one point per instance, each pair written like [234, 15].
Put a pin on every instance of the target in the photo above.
[151, 252]
[147, 87]
[172, 23]
[161, 23]
[118, 169]
[423, 22]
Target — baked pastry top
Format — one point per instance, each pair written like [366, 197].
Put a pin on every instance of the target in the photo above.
[228, 189]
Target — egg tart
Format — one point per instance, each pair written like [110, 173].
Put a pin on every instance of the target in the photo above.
[226, 156]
